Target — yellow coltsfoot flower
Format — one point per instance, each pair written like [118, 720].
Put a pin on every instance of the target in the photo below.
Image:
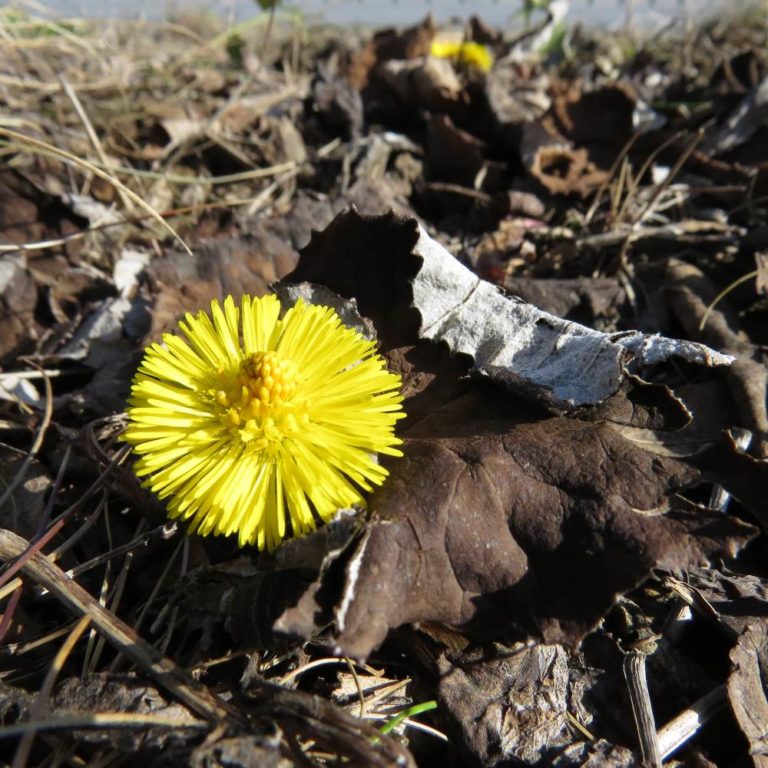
[260, 426]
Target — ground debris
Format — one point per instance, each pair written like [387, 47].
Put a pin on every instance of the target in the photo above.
[557, 237]
[747, 690]
[509, 704]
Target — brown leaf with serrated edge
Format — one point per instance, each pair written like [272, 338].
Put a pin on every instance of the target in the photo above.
[411, 287]
[500, 518]
[508, 522]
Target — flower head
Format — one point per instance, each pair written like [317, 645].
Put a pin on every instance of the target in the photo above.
[253, 420]
[470, 54]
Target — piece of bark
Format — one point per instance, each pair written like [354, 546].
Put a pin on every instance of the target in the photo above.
[748, 689]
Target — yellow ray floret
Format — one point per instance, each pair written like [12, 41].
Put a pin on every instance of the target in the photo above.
[257, 425]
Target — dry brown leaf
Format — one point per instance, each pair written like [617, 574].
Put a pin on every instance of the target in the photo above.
[507, 525]
[575, 112]
[507, 704]
[499, 519]
[224, 266]
[427, 83]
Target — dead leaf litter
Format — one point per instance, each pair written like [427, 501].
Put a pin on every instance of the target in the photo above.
[558, 242]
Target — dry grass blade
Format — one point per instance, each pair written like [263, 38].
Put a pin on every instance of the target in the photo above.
[230, 178]
[720, 296]
[51, 88]
[93, 137]
[101, 720]
[632, 187]
[356, 678]
[44, 148]
[39, 705]
[181, 211]
[659, 188]
[619, 164]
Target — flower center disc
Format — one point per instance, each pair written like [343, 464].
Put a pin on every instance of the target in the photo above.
[259, 404]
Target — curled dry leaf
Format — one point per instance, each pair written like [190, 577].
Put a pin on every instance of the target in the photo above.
[500, 518]
[512, 340]
[427, 83]
[372, 259]
[453, 154]
[566, 171]
[574, 110]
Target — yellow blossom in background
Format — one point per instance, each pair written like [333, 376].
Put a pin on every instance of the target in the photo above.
[471, 54]
[259, 426]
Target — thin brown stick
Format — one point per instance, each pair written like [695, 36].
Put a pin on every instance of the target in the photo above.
[60, 521]
[163, 670]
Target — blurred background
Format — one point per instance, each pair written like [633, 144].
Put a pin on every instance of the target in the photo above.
[609, 13]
